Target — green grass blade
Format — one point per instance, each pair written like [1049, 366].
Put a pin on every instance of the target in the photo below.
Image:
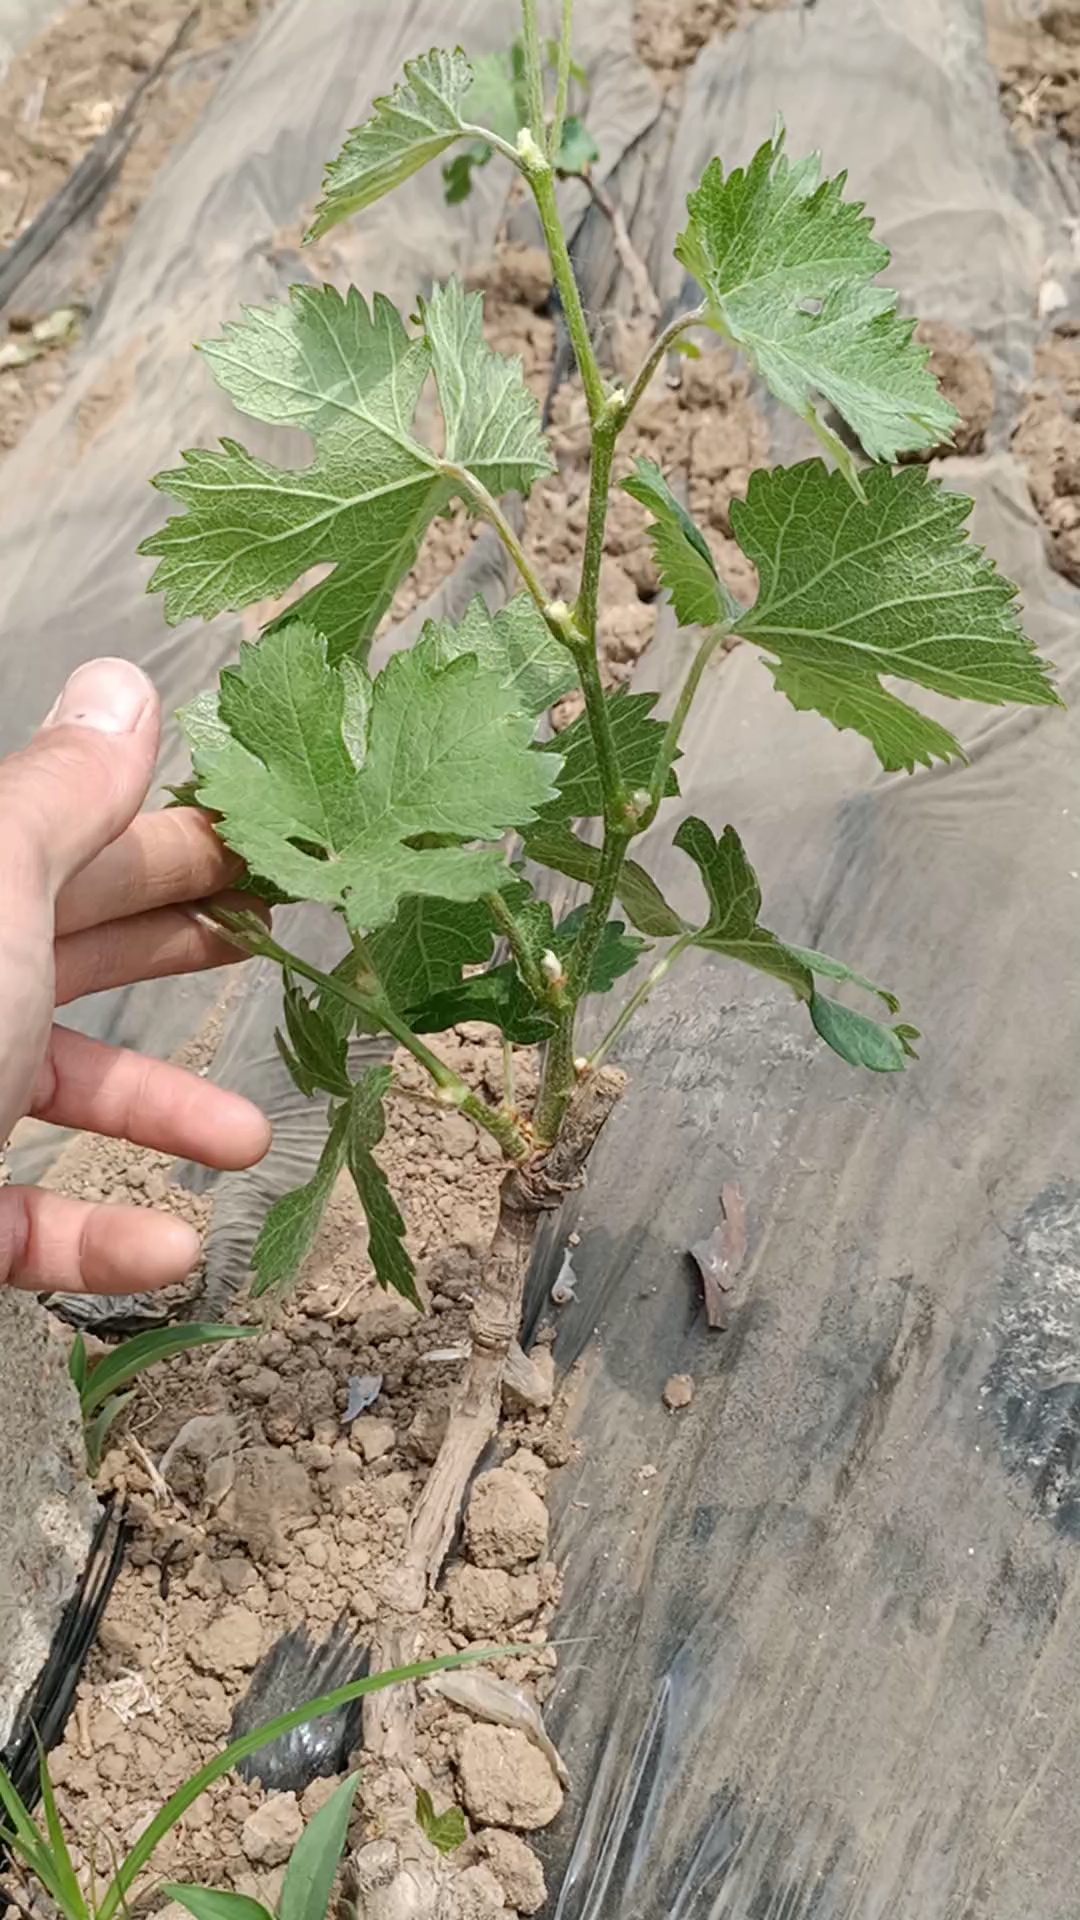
[77, 1363]
[69, 1892]
[95, 1431]
[210, 1903]
[131, 1358]
[309, 1875]
[26, 1839]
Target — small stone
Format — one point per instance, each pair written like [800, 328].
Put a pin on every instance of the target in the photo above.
[232, 1643]
[375, 1438]
[269, 1835]
[516, 1868]
[425, 1435]
[507, 1522]
[678, 1391]
[505, 1780]
[235, 1573]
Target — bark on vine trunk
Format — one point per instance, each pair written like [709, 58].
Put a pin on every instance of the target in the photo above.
[527, 1192]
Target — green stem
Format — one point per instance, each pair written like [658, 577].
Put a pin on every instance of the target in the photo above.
[562, 84]
[661, 345]
[637, 999]
[617, 802]
[184, 1797]
[669, 745]
[559, 1076]
[541, 178]
[605, 432]
[534, 70]
[251, 937]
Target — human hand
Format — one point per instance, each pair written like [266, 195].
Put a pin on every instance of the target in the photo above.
[92, 895]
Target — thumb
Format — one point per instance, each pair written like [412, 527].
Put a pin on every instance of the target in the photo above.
[86, 772]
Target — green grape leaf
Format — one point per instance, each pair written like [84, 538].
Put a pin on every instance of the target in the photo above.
[828, 969]
[860, 1041]
[351, 378]
[457, 173]
[288, 1233]
[788, 269]
[577, 148]
[424, 947]
[734, 930]
[686, 567]
[492, 419]
[365, 1126]
[551, 844]
[851, 589]
[637, 743]
[316, 1051]
[447, 754]
[445, 1831]
[618, 952]
[732, 927]
[496, 99]
[408, 127]
[515, 643]
[501, 997]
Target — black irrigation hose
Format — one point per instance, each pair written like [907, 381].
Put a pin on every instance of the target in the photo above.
[44, 1714]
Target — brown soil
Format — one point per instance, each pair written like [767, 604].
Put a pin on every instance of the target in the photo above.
[1047, 440]
[669, 34]
[1038, 65]
[273, 1513]
[59, 96]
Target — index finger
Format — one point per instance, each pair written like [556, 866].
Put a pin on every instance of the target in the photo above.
[163, 859]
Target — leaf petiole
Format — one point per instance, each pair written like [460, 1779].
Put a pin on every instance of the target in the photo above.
[637, 999]
[247, 932]
[669, 746]
[661, 346]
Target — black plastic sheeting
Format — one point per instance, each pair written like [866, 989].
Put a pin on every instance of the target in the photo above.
[821, 1627]
[294, 1670]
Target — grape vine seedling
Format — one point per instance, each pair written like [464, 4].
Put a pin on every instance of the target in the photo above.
[391, 800]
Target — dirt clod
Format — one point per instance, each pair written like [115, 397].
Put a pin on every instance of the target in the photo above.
[233, 1641]
[505, 1780]
[507, 1522]
[516, 1868]
[678, 1391]
[269, 1835]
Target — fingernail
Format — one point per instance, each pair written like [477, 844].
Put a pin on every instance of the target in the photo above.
[108, 695]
